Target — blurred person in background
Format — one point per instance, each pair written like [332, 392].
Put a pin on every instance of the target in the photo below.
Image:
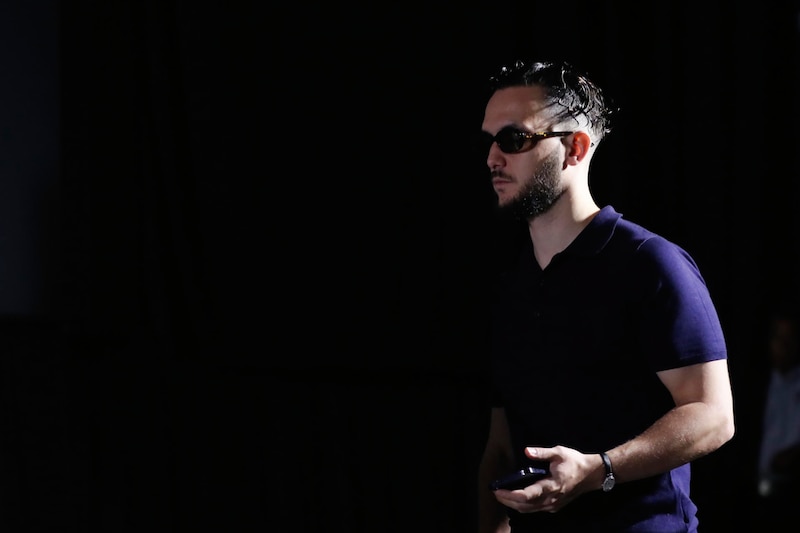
[779, 452]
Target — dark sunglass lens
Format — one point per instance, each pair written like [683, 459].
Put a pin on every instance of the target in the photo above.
[510, 140]
[486, 140]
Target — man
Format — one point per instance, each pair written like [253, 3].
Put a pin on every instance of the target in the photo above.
[779, 454]
[609, 361]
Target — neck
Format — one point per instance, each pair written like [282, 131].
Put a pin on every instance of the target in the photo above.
[553, 231]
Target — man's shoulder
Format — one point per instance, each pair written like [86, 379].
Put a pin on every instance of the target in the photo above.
[646, 247]
[644, 239]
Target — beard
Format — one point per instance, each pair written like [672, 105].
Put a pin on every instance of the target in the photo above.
[538, 194]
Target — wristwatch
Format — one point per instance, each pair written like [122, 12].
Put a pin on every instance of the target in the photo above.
[609, 481]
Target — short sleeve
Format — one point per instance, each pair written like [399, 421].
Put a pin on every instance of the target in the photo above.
[680, 324]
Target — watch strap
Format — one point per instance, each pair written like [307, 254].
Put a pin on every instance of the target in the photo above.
[607, 463]
[609, 481]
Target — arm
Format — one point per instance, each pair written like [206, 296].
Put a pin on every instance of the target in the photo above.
[700, 422]
[496, 461]
[681, 318]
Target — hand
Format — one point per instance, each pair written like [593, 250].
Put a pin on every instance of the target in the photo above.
[569, 472]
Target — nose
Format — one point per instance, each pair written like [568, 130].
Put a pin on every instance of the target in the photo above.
[495, 158]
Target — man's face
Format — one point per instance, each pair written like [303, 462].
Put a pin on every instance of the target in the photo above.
[527, 183]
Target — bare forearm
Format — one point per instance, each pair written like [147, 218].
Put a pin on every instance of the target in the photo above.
[684, 434]
[492, 517]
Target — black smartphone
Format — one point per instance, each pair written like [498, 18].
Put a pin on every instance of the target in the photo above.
[522, 478]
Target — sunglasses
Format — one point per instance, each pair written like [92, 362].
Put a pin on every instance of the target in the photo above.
[511, 140]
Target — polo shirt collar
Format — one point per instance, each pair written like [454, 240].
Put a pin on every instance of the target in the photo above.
[596, 234]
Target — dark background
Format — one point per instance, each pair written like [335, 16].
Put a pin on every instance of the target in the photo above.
[244, 246]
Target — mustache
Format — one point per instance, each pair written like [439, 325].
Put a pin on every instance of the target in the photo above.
[499, 174]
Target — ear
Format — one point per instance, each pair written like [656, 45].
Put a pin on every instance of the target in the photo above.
[578, 147]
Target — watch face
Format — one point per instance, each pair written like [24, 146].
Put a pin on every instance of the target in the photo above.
[608, 483]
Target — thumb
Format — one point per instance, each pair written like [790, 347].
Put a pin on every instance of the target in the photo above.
[540, 454]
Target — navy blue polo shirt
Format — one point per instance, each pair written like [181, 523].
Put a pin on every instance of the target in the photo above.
[576, 348]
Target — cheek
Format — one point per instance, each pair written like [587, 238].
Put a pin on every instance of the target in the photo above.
[523, 168]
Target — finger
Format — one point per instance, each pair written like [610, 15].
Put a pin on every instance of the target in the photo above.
[522, 507]
[541, 454]
[509, 502]
[550, 504]
[519, 495]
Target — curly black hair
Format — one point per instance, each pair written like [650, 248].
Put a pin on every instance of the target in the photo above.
[571, 91]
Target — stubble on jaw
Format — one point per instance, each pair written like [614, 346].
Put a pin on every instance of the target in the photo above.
[538, 195]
